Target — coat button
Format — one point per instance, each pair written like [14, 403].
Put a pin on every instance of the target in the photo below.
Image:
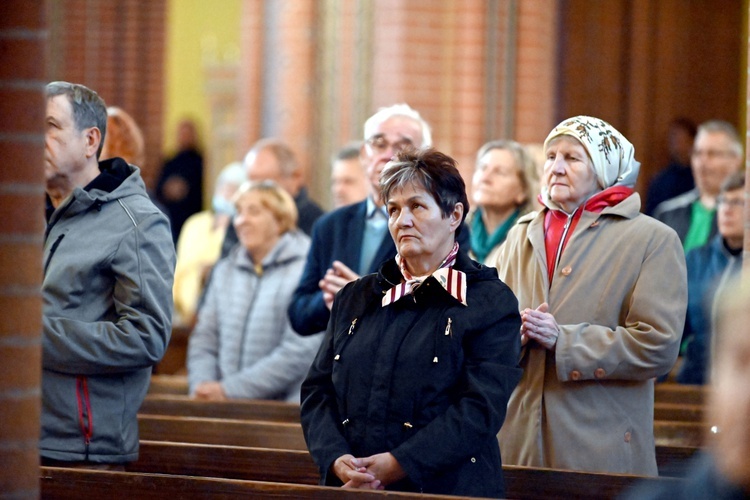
[575, 375]
[567, 270]
[473, 460]
[627, 437]
[599, 373]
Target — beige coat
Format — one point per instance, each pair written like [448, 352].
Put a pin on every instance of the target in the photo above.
[619, 295]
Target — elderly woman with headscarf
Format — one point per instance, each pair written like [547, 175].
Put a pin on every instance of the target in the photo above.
[413, 378]
[602, 292]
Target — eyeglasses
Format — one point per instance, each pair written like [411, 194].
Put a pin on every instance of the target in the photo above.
[730, 202]
[711, 153]
[380, 144]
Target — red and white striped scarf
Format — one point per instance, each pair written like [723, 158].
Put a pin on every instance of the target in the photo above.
[452, 280]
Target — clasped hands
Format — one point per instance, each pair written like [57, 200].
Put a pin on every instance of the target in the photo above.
[374, 472]
[539, 325]
[334, 280]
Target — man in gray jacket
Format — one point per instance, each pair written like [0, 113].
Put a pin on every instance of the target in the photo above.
[108, 270]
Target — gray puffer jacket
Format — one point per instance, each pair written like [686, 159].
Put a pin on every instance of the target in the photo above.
[108, 270]
[243, 337]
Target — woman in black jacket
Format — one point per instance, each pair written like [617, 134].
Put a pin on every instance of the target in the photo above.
[410, 386]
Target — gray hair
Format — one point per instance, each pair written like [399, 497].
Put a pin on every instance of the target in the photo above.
[723, 127]
[89, 110]
[280, 150]
[384, 114]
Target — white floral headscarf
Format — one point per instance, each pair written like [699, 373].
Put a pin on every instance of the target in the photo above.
[612, 154]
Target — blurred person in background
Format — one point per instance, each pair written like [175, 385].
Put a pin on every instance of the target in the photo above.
[243, 345]
[717, 153]
[709, 268]
[273, 160]
[504, 187]
[677, 177]
[348, 181]
[199, 244]
[180, 184]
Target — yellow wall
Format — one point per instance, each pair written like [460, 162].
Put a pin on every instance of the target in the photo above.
[197, 30]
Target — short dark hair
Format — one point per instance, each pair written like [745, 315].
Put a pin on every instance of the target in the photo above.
[733, 182]
[434, 171]
[89, 110]
[349, 151]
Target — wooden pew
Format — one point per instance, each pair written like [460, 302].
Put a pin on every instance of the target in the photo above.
[64, 484]
[669, 392]
[177, 405]
[232, 462]
[678, 412]
[221, 431]
[680, 433]
[289, 435]
[168, 384]
[265, 464]
[521, 482]
[278, 411]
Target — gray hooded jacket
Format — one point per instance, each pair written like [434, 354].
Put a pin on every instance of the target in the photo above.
[108, 270]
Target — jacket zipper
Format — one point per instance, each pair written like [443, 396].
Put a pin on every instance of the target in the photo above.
[560, 245]
[52, 251]
[85, 419]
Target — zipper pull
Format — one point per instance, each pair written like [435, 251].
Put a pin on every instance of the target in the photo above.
[448, 329]
[351, 327]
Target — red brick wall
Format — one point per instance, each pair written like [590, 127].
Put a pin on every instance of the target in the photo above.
[334, 63]
[22, 79]
[116, 48]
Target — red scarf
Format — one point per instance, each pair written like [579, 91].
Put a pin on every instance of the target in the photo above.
[555, 221]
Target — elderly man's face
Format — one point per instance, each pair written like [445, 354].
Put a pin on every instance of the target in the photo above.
[393, 135]
[65, 147]
[713, 159]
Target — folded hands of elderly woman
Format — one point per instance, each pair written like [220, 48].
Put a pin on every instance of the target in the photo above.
[538, 324]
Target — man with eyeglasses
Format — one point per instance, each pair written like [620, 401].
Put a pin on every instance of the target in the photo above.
[710, 268]
[354, 240]
[717, 153]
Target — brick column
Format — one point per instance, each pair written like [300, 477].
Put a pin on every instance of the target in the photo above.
[22, 79]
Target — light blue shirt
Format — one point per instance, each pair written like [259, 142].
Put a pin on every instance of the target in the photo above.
[376, 227]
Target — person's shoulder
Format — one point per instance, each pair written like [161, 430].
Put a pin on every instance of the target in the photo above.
[679, 202]
[341, 215]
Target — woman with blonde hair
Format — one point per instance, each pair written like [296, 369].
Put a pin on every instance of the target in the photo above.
[243, 345]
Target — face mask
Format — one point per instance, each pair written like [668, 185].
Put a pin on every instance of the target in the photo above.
[222, 206]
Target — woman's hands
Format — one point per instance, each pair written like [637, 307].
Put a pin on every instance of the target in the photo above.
[373, 472]
[210, 391]
[538, 324]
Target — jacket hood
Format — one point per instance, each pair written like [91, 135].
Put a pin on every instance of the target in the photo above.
[116, 180]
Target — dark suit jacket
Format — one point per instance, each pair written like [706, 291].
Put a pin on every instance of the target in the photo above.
[338, 236]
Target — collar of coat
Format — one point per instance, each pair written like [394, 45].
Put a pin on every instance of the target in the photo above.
[629, 208]
[389, 276]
